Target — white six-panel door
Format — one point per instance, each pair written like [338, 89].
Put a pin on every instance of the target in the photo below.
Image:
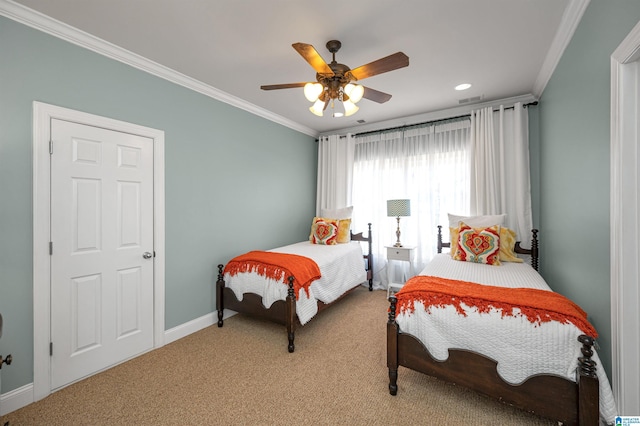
[102, 249]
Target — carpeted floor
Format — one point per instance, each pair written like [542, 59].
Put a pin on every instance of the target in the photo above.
[242, 374]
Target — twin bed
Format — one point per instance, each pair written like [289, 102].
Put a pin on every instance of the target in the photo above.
[245, 288]
[459, 321]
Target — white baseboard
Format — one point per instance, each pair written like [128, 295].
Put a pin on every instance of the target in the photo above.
[188, 328]
[23, 396]
[16, 399]
[192, 326]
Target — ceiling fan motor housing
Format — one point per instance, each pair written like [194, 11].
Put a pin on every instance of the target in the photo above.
[333, 46]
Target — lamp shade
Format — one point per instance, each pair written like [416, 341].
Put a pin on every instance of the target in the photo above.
[318, 107]
[397, 208]
[312, 91]
[354, 91]
[350, 108]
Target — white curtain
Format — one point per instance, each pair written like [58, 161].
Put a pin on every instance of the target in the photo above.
[484, 185]
[428, 165]
[500, 178]
[335, 172]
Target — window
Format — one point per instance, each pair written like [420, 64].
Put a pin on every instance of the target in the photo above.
[428, 165]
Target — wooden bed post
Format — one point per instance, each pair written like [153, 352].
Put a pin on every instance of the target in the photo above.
[588, 387]
[291, 314]
[392, 347]
[439, 238]
[219, 297]
[370, 260]
[534, 249]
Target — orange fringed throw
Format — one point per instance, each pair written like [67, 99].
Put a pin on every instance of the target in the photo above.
[537, 306]
[277, 266]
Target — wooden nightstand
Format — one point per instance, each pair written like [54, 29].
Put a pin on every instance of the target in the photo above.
[402, 254]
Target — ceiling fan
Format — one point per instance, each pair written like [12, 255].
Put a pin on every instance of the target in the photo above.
[335, 81]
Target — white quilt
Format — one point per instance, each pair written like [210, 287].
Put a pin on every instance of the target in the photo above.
[521, 348]
[341, 266]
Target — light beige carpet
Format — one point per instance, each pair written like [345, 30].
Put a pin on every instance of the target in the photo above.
[242, 374]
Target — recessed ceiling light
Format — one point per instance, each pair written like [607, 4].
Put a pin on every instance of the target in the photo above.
[463, 86]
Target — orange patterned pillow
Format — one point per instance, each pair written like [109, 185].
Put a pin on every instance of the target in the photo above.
[324, 231]
[344, 229]
[507, 244]
[480, 245]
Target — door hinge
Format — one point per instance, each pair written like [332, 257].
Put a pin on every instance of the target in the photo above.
[50, 348]
[50, 147]
[50, 248]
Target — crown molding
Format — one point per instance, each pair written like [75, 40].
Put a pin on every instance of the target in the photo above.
[53, 27]
[629, 49]
[570, 20]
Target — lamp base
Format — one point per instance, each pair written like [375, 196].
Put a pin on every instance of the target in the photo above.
[398, 244]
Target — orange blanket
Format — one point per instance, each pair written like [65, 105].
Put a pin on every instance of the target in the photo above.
[537, 306]
[277, 266]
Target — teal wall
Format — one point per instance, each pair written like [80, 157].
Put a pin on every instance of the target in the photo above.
[574, 164]
[234, 181]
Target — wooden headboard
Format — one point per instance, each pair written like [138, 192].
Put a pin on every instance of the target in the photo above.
[369, 256]
[533, 251]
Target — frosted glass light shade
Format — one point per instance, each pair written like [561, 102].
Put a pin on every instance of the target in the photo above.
[350, 108]
[354, 91]
[317, 108]
[312, 91]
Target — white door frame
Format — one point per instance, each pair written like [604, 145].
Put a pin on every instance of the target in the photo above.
[42, 115]
[625, 223]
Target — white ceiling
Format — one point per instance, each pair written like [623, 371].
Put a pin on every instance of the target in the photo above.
[505, 48]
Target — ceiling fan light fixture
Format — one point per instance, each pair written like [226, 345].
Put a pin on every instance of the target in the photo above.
[350, 108]
[312, 91]
[318, 107]
[354, 91]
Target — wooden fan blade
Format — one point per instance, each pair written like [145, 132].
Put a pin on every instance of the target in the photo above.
[311, 55]
[386, 64]
[282, 86]
[375, 95]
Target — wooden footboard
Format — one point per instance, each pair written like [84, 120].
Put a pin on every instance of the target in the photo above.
[553, 397]
[281, 311]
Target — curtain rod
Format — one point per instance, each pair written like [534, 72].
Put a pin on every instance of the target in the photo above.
[433, 121]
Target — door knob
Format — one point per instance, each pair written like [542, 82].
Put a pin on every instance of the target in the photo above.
[147, 255]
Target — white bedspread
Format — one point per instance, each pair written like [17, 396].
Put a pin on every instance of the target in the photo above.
[522, 349]
[341, 266]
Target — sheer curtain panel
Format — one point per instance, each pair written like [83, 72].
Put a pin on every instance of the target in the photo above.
[500, 173]
[335, 172]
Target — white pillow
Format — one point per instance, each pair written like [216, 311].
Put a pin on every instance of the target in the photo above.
[344, 213]
[483, 221]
